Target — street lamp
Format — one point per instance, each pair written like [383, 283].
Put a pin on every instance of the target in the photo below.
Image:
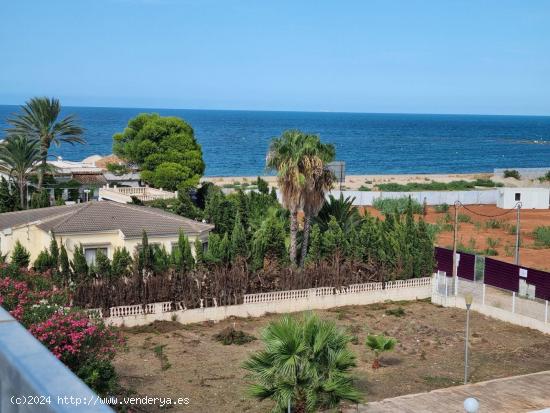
[468, 298]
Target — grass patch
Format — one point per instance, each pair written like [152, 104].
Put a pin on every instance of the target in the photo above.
[159, 352]
[396, 312]
[441, 209]
[438, 186]
[464, 218]
[364, 188]
[230, 336]
[493, 224]
[542, 236]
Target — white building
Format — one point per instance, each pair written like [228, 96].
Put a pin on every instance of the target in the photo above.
[530, 198]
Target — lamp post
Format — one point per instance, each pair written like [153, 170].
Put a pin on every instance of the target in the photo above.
[468, 298]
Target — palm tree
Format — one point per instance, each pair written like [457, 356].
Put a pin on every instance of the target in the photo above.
[19, 158]
[305, 365]
[314, 199]
[298, 158]
[342, 209]
[39, 121]
[380, 344]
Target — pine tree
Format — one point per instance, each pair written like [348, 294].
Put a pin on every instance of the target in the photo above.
[334, 240]
[199, 252]
[273, 193]
[268, 242]
[213, 254]
[20, 257]
[7, 199]
[54, 253]
[263, 187]
[79, 265]
[145, 256]
[43, 262]
[243, 208]
[239, 243]
[64, 265]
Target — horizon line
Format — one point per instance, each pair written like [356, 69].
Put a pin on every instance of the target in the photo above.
[292, 111]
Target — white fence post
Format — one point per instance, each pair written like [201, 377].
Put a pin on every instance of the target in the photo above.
[483, 297]
[456, 285]
[513, 301]
[446, 286]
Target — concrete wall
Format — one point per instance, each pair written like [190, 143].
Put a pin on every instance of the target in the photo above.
[397, 292]
[530, 198]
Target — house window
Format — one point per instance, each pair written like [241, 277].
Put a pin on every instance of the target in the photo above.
[91, 253]
[518, 196]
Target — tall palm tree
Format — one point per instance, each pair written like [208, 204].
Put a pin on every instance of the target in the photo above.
[19, 158]
[40, 121]
[305, 365]
[298, 158]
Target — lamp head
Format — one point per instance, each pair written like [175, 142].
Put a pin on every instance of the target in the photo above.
[471, 405]
[469, 298]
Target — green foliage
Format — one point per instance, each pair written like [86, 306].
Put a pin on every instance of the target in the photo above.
[545, 177]
[396, 312]
[183, 257]
[305, 364]
[334, 239]
[164, 148]
[268, 242]
[342, 210]
[185, 206]
[230, 336]
[8, 197]
[464, 218]
[442, 208]
[315, 244]
[20, 257]
[100, 375]
[512, 173]
[122, 260]
[219, 211]
[263, 187]
[239, 241]
[199, 252]
[437, 186]
[64, 266]
[79, 264]
[379, 344]
[40, 199]
[542, 236]
[493, 223]
[102, 265]
[43, 261]
[399, 205]
[118, 168]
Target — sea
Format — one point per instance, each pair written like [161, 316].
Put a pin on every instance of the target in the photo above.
[235, 142]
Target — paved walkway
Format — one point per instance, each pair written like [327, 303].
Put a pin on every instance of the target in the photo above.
[508, 395]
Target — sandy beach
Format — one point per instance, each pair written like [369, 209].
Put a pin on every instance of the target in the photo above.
[354, 182]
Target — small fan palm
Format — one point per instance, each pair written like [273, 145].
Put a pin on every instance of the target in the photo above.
[305, 365]
[39, 121]
[379, 344]
[342, 209]
[19, 158]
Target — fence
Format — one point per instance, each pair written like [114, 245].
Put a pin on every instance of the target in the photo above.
[512, 293]
[475, 197]
[256, 305]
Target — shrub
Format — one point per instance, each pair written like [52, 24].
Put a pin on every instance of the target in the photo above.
[546, 177]
[390, 206]
[396, 312]
[230, 336]
[493, 223]
[20, 257]
[305, 364]
[83, 345]
[512, 173]
[379, 344]
[542, 236]
[490, 252]
[464, 218]
[492, 243]
[364, 188]
[441, 208]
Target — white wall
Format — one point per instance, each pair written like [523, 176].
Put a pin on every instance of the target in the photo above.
[530, 198]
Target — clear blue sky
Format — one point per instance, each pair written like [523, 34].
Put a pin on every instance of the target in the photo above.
[342, 55]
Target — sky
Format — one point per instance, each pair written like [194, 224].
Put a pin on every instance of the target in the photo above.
[410, 56]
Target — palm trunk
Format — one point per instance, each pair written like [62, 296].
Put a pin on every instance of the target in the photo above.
[305, 239]
[293, 236]
[22, 193]
[43, 165]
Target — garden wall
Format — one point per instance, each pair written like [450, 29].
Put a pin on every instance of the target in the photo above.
[257, 305]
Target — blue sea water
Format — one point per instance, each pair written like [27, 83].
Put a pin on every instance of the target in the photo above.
[235, 142]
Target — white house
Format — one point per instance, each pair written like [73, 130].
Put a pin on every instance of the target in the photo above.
[530, 198]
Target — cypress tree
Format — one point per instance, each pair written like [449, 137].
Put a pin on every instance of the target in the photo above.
[199, 252]
[239, 243]
[334, 240]
[273, 193]
[315, 244]
[20, 257]
[145, 256]
[64, 265]
[225, 249]
[54, 253]
[184, 256]
[102, 266]
[213, 254]
[79, 264]
[7, 199]
[43, 261]
[120, 266]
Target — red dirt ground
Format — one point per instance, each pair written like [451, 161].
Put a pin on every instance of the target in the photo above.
[476, 234]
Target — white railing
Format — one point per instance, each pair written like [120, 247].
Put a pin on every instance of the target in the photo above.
[138, 309]
[143, 193]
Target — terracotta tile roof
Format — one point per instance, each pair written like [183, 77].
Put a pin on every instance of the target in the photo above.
[90, 179]
[101, 216]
